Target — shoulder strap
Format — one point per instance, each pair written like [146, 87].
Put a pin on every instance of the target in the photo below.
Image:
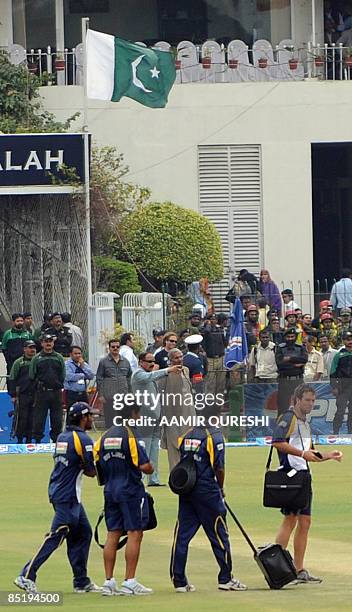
[267, 467]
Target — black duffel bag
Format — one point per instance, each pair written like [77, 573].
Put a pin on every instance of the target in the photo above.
[282, 490]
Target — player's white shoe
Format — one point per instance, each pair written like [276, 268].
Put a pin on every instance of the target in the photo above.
[91, 587]
[188, 588]
[110, 588]
[26, 584]
[135, 588]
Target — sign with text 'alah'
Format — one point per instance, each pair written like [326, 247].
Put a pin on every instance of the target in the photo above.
[35, 159]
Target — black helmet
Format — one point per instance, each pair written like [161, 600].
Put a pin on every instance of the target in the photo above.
[183, 476]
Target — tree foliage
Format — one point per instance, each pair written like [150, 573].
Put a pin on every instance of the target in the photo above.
[21, 108]
[114, 275]
[169, 242]
[111, 197]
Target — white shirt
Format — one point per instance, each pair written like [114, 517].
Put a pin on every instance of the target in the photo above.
[314, 365]
[328, 356]
[290, 306]
[127, 353]
[77, 334]
[263, 359]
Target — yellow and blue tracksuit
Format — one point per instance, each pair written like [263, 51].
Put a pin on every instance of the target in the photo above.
[120, 452]
[73, 454]
[203, 507]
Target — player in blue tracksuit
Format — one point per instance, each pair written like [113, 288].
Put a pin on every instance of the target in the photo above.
[73, 457]
[204, 506]
[121, 460]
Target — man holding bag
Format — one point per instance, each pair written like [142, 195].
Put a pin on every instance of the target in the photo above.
[293, 441]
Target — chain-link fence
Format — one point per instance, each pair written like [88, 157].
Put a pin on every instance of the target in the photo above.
[43, 256]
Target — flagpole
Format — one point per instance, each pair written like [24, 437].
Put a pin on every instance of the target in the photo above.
[85, 25]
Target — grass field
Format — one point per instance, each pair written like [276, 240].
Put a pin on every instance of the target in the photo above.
[26, 516]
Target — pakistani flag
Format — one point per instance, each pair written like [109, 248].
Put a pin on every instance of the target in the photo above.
[117, 68]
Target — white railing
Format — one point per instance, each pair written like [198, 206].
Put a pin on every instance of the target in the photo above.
[209, 62]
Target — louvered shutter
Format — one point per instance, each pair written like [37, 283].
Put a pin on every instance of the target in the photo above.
[230, 197]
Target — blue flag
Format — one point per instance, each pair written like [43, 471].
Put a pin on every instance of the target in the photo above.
[237, 350]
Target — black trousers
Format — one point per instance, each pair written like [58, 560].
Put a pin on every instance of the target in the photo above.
[25, 414]
[47, 401]
[343, 401]
[286, 389]
[75, 396]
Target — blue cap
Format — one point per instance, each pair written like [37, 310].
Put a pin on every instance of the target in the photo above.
[79, 409]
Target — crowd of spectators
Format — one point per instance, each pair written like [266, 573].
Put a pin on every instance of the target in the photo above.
[285, 345]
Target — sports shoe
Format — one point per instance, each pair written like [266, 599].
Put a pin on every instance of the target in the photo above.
[134, 589]
[110, 588]
[232, 585]
[26, 584]
[91, 587]
[304, 576]
[188, 588]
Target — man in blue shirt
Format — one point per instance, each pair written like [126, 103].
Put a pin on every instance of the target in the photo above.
[204, 506]
[78, 373]
[73, 457]
[121, 459]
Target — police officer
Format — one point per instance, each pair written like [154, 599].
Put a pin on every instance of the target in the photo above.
[62, 334]
[47, 370]
[121, 459]
[195, 362]
[290, 359]
[203, 506]
[21, 389]
[73, 457]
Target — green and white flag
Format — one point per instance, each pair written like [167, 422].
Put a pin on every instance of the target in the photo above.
[117, 68]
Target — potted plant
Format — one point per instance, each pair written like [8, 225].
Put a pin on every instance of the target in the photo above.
[233, 64]
[59, 62]
[32, 66]
[348, 58]
[319, 61]
[293, 63]
[263, 62]
[206, 59]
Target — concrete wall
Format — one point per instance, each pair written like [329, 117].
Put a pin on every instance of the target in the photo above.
[160, 147]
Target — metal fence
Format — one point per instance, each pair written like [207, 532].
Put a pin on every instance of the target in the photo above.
[275, 63]
[43, 257]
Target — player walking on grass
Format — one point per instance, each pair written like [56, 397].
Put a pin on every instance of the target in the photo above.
[293, 440]
[73, 457]
[121, 460]
[203, 507]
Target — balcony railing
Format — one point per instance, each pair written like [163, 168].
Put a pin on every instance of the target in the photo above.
[210, 62]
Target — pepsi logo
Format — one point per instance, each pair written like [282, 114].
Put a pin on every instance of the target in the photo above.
[268, 440]
[331, 439]
[31, 448]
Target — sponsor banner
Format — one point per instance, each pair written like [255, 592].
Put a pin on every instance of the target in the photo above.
[6, 408]
[261, 400]
[26, 449]
[35, 159]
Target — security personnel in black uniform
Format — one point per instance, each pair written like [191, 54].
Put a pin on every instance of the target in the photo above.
[73, 457]
[203, 506]
[290, 359]
[62, 334]
[48, 372]
[21, 388]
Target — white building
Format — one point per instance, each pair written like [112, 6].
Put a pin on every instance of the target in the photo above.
[269, 162]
